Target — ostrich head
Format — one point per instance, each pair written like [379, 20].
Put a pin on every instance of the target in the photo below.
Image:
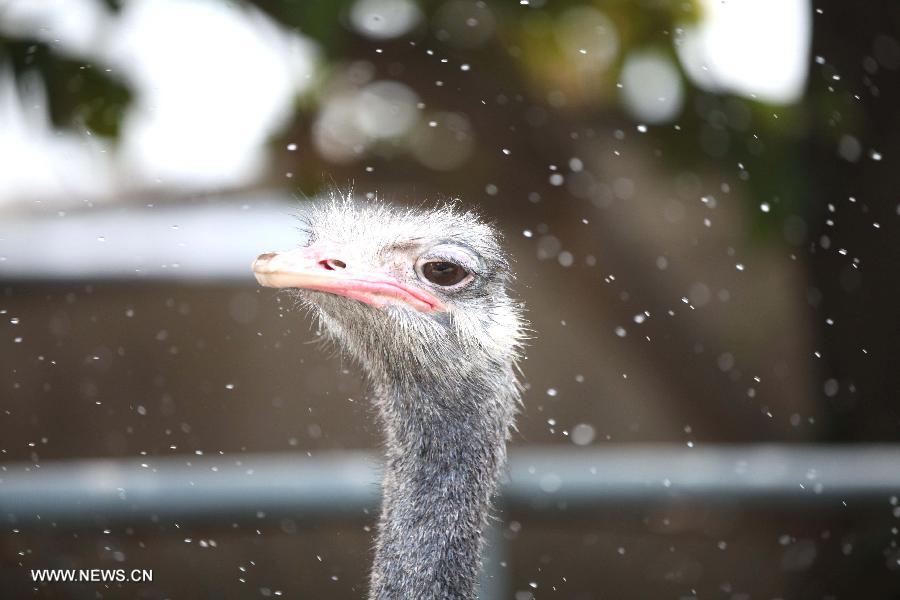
[415, 295]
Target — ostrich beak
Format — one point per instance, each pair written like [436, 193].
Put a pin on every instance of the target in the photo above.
[312, 269]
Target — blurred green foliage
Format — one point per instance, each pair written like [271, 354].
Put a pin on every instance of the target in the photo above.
[82, 94]
[525, 52]
[78, 94]
[322, 20]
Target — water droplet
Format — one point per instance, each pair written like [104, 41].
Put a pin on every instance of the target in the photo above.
[582, 434]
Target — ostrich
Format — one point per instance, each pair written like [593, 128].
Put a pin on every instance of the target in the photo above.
[418, 298]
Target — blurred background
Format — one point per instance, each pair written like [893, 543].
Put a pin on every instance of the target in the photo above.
[702, 200]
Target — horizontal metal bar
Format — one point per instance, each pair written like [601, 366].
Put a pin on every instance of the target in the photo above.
[795, 474]
[194, 242]
[345, 484]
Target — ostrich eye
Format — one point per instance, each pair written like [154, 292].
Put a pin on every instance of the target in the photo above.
[444, 273]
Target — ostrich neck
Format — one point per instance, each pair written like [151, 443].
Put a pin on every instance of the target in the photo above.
[445, 448]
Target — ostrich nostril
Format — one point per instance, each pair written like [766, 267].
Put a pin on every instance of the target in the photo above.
[333, 264]
[266, 256]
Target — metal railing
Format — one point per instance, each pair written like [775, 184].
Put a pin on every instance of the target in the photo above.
[346, 485]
